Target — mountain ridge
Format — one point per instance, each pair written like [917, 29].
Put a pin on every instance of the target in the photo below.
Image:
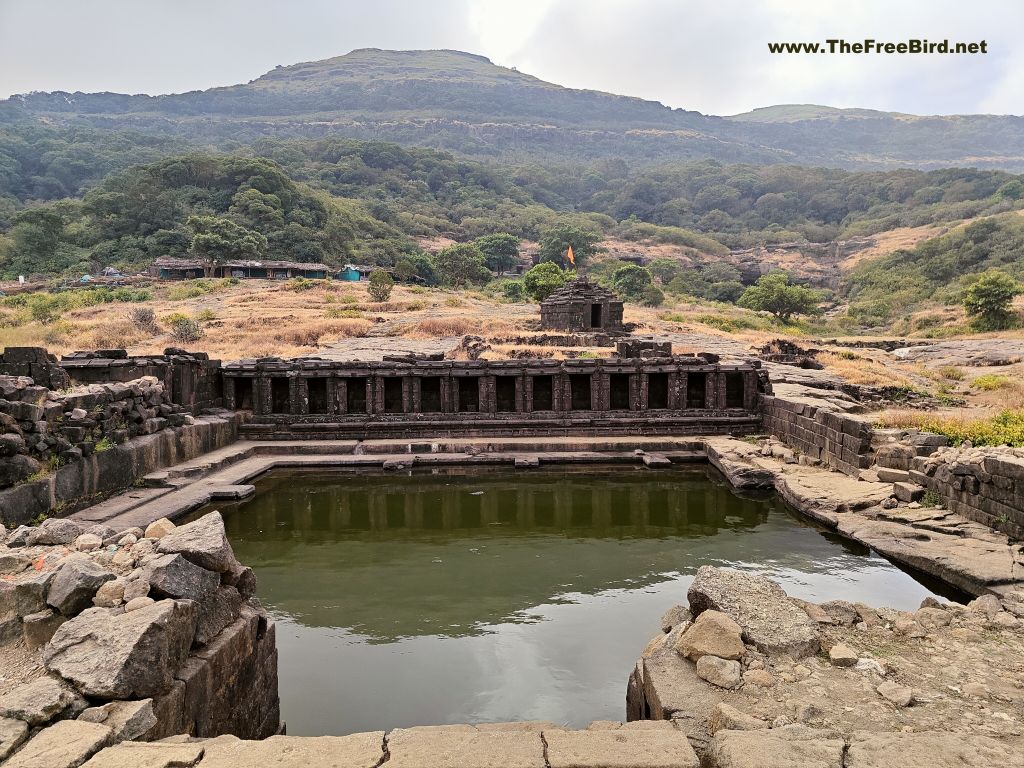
[465, 103]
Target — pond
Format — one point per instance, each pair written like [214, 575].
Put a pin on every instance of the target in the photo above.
[483, 595]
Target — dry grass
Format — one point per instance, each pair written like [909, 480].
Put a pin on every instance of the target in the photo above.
[864, 371]
[1003, 428]
[311, 334]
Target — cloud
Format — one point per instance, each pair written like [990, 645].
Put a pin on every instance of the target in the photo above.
[706, 55]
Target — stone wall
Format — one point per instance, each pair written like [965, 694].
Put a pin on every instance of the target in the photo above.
[985, 485]
[838, 440]
[190, 379]
[141, 634]
[40, 426]
[115, 469]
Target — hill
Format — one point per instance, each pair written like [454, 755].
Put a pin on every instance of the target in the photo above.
[464, 103]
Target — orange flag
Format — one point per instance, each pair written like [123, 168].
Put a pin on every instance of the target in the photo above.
[569, 255]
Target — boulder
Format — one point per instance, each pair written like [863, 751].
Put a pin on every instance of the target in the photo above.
[674, 616]
[203, 542]
[842, 655]
[13, 561]
[127, 655]
[110, 594]
[174, 576]
[25, 593]
[87, 542]
[724, 673]
[243, 578]
[54, 530]
[75, 584]
[158, 528]
[38, 701]
[14, 469]
[899, 695]
[841, 612]
[712, 634]
[770, 621]
[138, 602]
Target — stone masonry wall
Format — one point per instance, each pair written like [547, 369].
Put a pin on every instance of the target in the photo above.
[40, 426]
[835, 439]
[141, 634]
[985, 485]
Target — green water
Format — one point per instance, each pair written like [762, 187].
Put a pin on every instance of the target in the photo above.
[489, 595]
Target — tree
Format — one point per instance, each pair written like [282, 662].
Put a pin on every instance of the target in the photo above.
[631, 281]
[773, 293]
[665, 269]
[221, 239]
[543, 280]
[405, 270]
[555, 241]
[461, 265]
[380, 286]
[500, 250]
[988, 300]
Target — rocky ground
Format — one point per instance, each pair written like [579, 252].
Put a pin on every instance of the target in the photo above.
[834, 680]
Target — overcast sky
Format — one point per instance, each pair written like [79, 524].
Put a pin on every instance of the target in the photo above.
[708, 56]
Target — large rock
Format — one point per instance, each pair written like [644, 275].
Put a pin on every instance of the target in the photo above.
[929, 749]
[712, 634]
[66, 744]
[112, 655]
[12, 733]
[202, 542]
[769, 619]
[14, 469]
[54, 530]
[25, 593]
[174, 576]
[38, 701]
[721, 672]
[75, 584]
[788, 747]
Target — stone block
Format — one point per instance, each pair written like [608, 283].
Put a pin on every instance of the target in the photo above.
[908, 492]
[147, 755]
[66, 744]
[463, 746]
[621, 748]
[359, 750]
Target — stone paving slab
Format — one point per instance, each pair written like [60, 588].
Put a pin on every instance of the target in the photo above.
[360, 750]
[929, 749]
[465, 747]
[66, 744]
[778, 748]
[619, 748]
[130, 754]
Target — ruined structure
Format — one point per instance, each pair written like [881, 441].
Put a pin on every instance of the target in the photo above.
[581, 306]
[309, 397]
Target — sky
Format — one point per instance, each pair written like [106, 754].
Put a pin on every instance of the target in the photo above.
[710, 56]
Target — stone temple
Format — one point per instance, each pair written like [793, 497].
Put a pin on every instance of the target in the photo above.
[581, 306]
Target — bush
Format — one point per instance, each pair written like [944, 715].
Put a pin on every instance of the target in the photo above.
[206, 315]
[513, 290]
[380, 286]
[543, 280]
[144, 319]
[185, 329]
[631, 281]
[652, 296]
[988, 300]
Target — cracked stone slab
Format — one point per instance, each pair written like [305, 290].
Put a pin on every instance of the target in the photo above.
[132, 754]
[789, 747]
[359, 750]
[619, 748]
[66, 744]
[464, 746]
[931, 749]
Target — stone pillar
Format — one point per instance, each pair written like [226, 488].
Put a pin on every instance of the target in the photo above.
[298, 389]
[600, 391]
[488, 394]
[229, 393]
[262, 396]
[750, 390]
[676, 396]
[408, 401]
[447, 385]
[644, 388]
[340, 395]
[376, 389]
[527, 390]
[521, 393]
[330, 385]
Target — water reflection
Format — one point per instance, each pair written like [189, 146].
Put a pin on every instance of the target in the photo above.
[458, 596]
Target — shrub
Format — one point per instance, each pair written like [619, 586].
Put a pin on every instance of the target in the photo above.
[144, 319]
[185, 329]
[543, 280]
[380, 286]
[631, 281]
[988, 300]
[206, 315]
[990, 382]
[652, 296]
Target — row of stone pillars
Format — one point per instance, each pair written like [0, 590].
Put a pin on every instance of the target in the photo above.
[491, 394]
